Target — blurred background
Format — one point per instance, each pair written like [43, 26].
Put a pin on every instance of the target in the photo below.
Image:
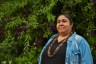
[26, 26]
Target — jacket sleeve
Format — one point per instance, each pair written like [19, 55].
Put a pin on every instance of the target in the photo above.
[85, 53]
[40, 57]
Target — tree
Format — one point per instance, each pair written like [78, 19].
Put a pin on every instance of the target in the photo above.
[27, 25]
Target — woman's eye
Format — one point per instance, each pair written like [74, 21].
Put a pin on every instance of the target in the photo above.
[58, 21]
[64, 21]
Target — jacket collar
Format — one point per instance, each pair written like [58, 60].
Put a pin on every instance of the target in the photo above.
[72, 36]
[69, 39]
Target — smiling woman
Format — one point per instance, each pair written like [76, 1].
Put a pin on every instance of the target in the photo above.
[66, 47]
[64, 26]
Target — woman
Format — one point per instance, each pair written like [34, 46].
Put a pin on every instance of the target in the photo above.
[66, 47]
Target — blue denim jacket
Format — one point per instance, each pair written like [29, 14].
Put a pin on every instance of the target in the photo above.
[77, 52]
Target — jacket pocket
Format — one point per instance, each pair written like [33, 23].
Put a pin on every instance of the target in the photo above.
[74, 58]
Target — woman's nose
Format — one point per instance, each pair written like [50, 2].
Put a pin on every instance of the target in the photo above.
[61, 22]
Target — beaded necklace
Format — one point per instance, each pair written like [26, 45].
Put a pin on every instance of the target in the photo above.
[57, 48]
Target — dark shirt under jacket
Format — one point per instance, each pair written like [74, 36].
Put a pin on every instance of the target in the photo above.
[59, 58]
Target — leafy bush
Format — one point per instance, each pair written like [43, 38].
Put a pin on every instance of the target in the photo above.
[25, 26]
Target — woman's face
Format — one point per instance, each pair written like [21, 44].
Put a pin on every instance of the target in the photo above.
[63, 24]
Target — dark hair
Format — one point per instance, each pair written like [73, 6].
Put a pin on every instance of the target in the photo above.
[66, 15]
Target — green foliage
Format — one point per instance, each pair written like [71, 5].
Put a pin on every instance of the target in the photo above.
[26, 24]
[29, 57]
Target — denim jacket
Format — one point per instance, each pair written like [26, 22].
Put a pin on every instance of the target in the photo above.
[77, 52]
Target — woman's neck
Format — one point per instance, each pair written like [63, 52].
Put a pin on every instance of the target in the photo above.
[63, 36]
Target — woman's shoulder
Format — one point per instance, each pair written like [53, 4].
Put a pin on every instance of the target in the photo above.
[79, 37]
[54, 35]
[81, 40]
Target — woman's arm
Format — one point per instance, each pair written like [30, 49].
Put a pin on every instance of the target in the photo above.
[85, 53]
